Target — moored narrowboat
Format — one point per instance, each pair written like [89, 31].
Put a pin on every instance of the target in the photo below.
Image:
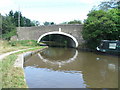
[109, 46]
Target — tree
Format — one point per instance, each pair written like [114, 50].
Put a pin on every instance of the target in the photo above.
[23, 20]
[114, 14]
[16, 15]
[8, 27]
[75, 22]
[36, 23]
[9, 23]
[108, 4]
[28, 22]
[64, 23]
[100, 25]
[46, 23]
[52, 23]
[11, 14]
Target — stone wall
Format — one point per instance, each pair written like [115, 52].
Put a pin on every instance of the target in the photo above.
[33, 33]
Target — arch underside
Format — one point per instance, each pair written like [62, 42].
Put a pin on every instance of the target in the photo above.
[58, 39]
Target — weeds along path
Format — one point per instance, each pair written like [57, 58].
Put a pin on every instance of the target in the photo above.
[12, 52]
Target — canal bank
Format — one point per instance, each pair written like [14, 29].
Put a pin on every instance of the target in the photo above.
[20, 60]
[12, 69]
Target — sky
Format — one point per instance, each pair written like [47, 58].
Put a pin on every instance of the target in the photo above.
[56, 11]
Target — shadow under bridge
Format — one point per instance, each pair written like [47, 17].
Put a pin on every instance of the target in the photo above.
[58, 39]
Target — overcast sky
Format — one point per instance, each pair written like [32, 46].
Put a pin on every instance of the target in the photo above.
[57, 11]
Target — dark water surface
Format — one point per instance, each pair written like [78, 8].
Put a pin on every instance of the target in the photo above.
[69, 68]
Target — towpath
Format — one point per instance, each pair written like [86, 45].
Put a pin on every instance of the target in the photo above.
[2, 56]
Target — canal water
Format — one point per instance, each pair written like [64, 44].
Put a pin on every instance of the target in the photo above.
[70, 68]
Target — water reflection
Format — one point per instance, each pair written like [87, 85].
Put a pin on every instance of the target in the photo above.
[52, 56]
[62, 67]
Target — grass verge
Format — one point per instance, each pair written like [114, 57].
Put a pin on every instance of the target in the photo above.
[13, 77]
[7, 46]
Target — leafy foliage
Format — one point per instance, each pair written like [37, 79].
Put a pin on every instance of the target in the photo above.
[103, 22]
[9, 23]
[17, 16]
[108, 4]
[101, 25]
[74, 22]
[48, 23]
[8, 28]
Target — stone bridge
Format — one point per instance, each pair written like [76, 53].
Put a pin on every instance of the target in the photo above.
[72, 32]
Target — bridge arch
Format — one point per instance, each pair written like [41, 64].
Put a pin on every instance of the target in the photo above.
[74, 42]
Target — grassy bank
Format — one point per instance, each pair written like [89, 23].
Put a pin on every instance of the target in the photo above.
[7, 46]
[13, 77]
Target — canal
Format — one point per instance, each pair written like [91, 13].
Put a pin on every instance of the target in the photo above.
[70, 68]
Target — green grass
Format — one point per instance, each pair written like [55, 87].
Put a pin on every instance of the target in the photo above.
[13, 77]
[24, 43]
[7, 46]
[8, 72]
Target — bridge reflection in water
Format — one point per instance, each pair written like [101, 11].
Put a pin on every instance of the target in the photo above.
[59, 60]
[68, 68]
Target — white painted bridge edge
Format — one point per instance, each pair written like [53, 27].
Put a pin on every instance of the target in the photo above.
[61, 33]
